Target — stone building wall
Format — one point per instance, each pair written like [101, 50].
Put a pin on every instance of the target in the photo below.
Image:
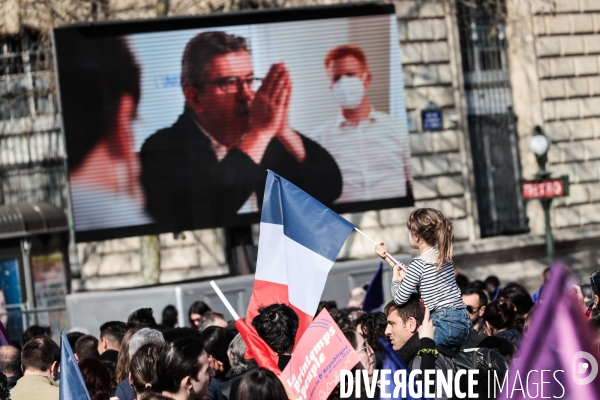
[554, 49]
[568, 55]
[555, 63]
[440, 165]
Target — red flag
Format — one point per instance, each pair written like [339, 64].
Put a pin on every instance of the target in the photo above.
[257, 348]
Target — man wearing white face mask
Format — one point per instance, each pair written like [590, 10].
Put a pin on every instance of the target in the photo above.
[370, 147]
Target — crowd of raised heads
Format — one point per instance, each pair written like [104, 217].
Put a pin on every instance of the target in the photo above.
[143, 359]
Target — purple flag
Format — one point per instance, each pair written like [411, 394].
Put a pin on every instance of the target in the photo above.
[4, 339]
[558, 356]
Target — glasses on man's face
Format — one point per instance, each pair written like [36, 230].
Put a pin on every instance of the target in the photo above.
[365, 348]
[472, 310]
[233, 84]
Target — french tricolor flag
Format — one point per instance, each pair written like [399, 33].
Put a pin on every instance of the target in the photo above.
[299, 241]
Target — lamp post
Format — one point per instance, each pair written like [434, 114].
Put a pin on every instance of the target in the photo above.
[539, 145]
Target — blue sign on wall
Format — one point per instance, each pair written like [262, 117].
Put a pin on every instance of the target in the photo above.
[10, 286]
[432, 120]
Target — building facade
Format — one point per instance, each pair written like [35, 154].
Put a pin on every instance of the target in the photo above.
[495, 70]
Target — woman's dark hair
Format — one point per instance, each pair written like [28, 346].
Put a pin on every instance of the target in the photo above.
[351, 336]
[329, 305]
[197, 307]
[373, 327]
[143, 370]
[123, 360]
[500, 314]
[169, 316]
[519, 296]
[97, 379]
[341, 319]
[260, 383]
[4, 393]
[216, 342]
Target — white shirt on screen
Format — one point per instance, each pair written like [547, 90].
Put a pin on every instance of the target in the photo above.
[373, 156]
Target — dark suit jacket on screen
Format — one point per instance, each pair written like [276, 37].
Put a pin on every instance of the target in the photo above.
[187, 187]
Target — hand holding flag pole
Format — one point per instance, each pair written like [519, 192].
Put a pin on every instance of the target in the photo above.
[387, 254]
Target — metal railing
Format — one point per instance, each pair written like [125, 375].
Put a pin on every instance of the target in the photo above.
[32, 155]
[20, 317]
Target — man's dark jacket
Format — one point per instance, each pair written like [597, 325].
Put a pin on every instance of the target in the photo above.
[187, 187]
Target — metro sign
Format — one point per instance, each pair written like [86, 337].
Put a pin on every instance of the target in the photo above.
[545, 189]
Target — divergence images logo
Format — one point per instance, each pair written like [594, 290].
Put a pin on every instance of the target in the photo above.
[580, 368]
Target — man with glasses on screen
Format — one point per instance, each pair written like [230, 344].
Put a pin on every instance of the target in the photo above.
[211, 164]
[377, 166]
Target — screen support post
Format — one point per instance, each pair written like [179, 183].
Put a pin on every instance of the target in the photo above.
[240, 250]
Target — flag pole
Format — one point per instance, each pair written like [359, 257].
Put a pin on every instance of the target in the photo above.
[387, 254]
[224, 300]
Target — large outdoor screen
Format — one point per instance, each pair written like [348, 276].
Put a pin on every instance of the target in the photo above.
[172, 124]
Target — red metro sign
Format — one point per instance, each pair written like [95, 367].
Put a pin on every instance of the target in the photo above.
[543, 189]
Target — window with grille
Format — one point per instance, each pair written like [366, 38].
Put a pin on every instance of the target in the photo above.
[31, 145]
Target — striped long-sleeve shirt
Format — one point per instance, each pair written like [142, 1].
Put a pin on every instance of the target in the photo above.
[437, 288]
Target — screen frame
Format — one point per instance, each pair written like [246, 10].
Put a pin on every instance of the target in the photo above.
[65, 36]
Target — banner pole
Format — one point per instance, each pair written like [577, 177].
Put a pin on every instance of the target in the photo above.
[224, 300]
[387, 254]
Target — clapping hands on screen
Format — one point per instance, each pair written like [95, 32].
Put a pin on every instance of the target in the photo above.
[269, 117]
[269, 107]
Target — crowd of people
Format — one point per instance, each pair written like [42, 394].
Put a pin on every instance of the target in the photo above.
[142, 359]
[436, 311]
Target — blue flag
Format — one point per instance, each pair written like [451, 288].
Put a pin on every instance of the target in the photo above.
[374, 296]
[394, 363]
[72, 386]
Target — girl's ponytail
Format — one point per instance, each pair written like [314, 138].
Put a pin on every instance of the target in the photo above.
[435, 229]
[445, 240]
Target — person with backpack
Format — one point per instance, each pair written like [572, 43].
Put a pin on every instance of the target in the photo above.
[411, 330]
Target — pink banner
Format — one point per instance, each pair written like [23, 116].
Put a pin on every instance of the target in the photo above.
[320, 355]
